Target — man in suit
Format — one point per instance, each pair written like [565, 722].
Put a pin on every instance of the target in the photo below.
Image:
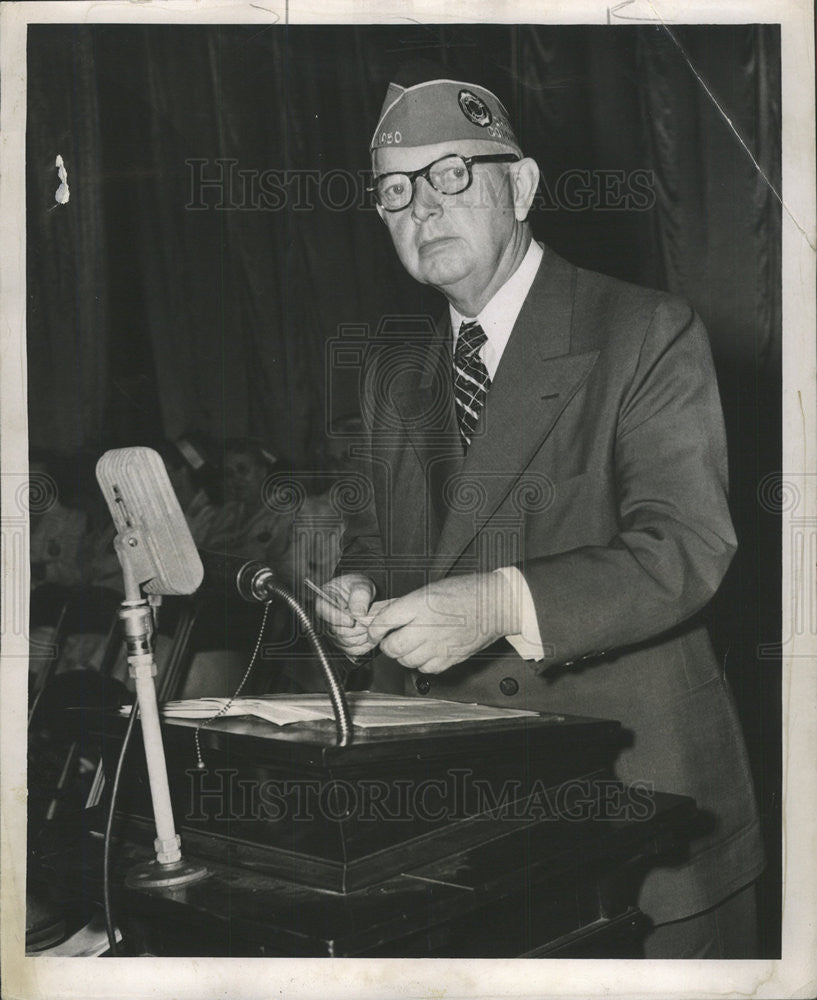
[550, 513]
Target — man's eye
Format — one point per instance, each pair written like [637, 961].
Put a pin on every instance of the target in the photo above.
[459, 171]
[395, 189]
[453, 175]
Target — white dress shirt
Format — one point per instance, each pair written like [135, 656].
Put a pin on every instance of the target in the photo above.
[497, 321]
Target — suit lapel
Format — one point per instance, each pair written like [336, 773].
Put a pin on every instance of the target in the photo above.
[536, 379]
[427, 412]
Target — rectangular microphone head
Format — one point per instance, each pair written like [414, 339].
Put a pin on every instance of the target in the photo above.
[150, 524]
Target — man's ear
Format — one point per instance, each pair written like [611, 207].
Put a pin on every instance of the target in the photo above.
[524, 175]
[375, 172]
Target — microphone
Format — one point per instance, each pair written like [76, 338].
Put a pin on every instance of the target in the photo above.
[157, 552]
[157, 555]
[256, 583]
[249, 578]
[153, 540]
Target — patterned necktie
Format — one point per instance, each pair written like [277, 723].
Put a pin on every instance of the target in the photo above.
[471, 379]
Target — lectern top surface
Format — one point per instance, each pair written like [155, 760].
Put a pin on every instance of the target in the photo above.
[368, 709]
[390, 726]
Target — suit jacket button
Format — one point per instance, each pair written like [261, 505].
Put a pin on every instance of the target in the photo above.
[423, 685]
[509, 686]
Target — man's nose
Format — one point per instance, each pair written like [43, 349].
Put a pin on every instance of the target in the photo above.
[426, 200]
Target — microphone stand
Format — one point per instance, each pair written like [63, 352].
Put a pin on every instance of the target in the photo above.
[169, 867]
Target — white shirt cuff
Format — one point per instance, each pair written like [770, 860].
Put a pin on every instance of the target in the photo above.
[528, 642]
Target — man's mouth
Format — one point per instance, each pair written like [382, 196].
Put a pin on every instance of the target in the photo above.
[434, 243]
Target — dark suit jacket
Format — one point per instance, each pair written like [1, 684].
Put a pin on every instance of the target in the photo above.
[599, 468]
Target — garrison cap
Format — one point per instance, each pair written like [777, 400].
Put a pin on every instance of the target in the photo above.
[439, 109]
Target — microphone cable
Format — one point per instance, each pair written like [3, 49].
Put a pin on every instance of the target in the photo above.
[226, 706]
[337, 695]
[255, 582]
[106, 857]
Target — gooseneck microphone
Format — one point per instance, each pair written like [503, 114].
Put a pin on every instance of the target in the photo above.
[249, 579]
[254, 582]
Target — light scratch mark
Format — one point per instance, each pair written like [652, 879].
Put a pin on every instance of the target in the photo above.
[436, 881]
[266, 10]
[613, 11]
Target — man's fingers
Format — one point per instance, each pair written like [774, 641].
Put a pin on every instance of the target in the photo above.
[434, 665]
[396, 614]
[402, 642]
[357, 633]
[352, 641]
[351, 596]
[334, 616]
[360, 597]
[426, 657]
[378, 606]
[360, 649]
[416, 658]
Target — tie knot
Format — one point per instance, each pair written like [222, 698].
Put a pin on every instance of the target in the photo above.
[470, 339]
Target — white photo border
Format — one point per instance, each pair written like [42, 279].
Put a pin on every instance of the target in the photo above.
[795, 975]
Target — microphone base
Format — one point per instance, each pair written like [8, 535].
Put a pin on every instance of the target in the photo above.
[155, 875]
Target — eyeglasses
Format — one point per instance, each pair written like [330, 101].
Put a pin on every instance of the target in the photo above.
[451, 174]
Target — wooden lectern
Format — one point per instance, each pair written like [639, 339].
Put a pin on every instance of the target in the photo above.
[500, 837]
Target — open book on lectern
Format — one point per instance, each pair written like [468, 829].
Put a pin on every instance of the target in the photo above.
[368, 709]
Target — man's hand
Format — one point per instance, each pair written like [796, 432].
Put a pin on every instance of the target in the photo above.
[353, 593]
[445, 622]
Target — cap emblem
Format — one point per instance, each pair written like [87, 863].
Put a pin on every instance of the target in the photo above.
[474, 108]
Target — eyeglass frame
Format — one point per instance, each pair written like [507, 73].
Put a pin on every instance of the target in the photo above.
[424, 173]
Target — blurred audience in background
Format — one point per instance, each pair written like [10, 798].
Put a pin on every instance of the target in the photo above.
[57, 527]
[244, 524]
[249, 504]
[315, 528]
[193, 475]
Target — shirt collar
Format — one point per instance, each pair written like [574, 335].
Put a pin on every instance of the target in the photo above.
[499, 315]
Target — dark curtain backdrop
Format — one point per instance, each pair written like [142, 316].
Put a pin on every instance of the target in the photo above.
[216, 316]
[158, 306]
